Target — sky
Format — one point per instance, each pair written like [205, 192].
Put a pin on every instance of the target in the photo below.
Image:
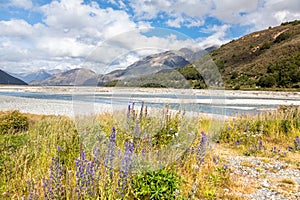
[112, 34]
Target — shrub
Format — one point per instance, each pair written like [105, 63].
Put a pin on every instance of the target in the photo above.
[266, 45]
[234, 75]
[161, 184]
[267, 81]
[281, 37]
[13, 122]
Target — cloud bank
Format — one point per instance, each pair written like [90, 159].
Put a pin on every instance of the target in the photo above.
[65, 34]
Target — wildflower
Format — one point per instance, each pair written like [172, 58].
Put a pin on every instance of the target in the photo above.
[228, 128]
[146, 111]
[111, 152]
[128, 112]
[216, 159]
[53, 187]
[141, 112]
[290, 148]
[125, 168]
[86, 179]
[237, 143]
[202, 147]
[297, 143]
[260, 145]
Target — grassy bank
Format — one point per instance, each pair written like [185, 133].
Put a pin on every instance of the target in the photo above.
[109, 156]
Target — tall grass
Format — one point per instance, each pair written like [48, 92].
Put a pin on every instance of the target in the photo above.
[109, 156]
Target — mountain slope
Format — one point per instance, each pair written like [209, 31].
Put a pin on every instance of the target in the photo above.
[245, 61]
[155, 63]
[5, 78]
[267, 58]
[70, 77]
[33, 76]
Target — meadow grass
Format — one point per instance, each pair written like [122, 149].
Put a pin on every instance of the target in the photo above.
[109, 156]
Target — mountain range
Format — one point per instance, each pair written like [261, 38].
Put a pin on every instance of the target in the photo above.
[7, 79]
[267, 58]
[78, 76]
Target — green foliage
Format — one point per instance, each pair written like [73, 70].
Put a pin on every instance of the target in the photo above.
[266, 45]
[295, 22]
[284, 73]
[190, 73]
[160, 184]
[234, 75]
[153, 85]
[281, 37]
[220, 64]
[267, 81]
[168, 131]
[111, 83]
[13, 122]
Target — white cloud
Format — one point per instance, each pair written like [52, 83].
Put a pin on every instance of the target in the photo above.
[26, 4]
[218, 36]
[15, 28]
[272, 13]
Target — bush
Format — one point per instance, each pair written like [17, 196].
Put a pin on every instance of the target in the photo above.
[13, 122]
[161, 184]
[267, 81]
[266, 45]
[281, 37]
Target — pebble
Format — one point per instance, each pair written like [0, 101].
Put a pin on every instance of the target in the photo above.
[264, 172]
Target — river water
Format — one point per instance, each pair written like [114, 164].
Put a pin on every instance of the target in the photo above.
[218, 102]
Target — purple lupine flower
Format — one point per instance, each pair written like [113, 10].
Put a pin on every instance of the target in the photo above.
[133, 111]
[297, 143]
[31, 190]
[137, 132]
[58, 148]
[141, 112]
[111, 151]
[53, 187]
[273, 149]
[201, 151]
[216, 159]
[260, 145]
[237, 143]
[128, 111]
[290, 148]
[146, 111]
[228, 128]
[86, 177]
[125, 168]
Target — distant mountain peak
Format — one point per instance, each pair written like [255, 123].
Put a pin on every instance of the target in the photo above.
[78, 76]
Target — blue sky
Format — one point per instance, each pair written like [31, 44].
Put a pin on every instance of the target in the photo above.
[64, 34]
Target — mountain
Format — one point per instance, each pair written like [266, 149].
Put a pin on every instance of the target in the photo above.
[267, 58]
[78, 76]
[32, 76]
[153, 64]
[5, 78]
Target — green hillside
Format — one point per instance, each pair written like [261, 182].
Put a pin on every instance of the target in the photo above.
[268, 58]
